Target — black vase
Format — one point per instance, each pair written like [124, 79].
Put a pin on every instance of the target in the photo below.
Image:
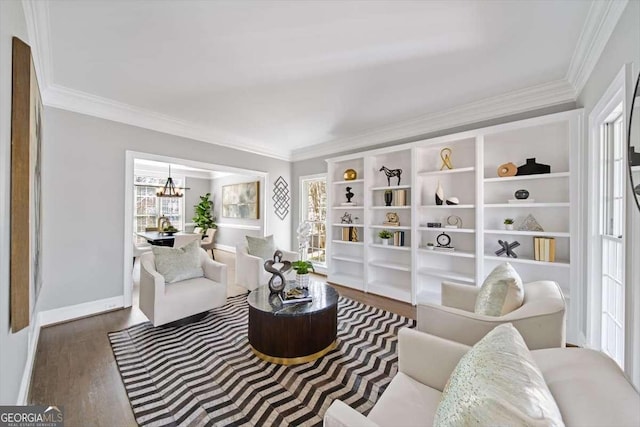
[388, 198]
[533, 168]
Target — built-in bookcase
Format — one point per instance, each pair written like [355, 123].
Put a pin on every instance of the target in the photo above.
[413, 272]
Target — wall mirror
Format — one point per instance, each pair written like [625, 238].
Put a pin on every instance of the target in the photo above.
[634, 143]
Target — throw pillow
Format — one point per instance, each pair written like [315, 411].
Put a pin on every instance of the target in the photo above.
[262, 247]
[177, 264]
[497, 383]
[501, 292]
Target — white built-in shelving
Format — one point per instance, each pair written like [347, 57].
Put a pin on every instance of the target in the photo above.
[413, 273]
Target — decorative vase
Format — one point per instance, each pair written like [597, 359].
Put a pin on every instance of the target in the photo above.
[521, 194]
[385, 242]
[302, 280]
[533, 168]
[508, 226]
[439, 194]
[388, 198]
[350, 175]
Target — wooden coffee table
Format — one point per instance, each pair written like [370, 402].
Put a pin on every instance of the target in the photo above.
[290, 334]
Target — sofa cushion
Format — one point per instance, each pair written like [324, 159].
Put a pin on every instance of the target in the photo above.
[497, 383]
[262, 247]
[177, 264]
[501, 292]
[405, 402]
[590, 389]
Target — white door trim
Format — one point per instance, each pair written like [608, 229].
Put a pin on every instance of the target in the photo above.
[615, 95]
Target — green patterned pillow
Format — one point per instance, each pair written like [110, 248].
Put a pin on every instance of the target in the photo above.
[177, 264]
[497, 383]
[262, 247]
[501, 292]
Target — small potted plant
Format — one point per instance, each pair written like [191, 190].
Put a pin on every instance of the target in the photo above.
[430, 246]
[302, 269]
[508, 224]
[385, 235]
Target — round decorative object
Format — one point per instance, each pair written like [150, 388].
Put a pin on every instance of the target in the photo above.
[521, 194]
[350, 175]
[454, 220]
[453, 201]
[507, 169]
[443, 239]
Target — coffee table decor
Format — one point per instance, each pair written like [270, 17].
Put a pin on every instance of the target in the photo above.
[204, 373]
[277, 280]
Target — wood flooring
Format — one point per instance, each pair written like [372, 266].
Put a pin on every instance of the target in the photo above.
[74, 366]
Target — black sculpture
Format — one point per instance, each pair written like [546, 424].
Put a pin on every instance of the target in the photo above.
[349, 195]
[507, 248]
[390, 173]
[533, 168]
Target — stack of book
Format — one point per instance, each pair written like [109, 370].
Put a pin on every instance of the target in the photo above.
[398, 238]
[399, 197]
[349, 234]
[544, 249]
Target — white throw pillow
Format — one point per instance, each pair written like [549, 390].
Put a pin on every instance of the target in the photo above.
[177, 264]
[501, 292]
[497, 383]
[262, 247]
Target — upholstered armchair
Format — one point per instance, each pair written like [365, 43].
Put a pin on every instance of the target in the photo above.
[250, 272]
[207, 241]
[540, 320]
[167, 302]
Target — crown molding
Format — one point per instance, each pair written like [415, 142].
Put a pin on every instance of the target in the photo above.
[104, 108]
[36, 15]
[601, 20]
[532, 98]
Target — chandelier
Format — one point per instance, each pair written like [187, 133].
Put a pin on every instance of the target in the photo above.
[169, 189]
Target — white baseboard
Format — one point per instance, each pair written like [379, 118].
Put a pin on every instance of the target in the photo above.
[225, 248]
[58, 315]
[32, 345]
[71, 312]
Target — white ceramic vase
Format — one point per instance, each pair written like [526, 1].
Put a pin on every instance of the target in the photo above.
[508, 226]
[302, 280]
[385, 242]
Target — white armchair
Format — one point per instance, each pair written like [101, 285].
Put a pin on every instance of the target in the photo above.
[164, 303]
[250, 272]
[540, 320]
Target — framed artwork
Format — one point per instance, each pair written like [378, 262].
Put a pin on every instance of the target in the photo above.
[241, 200]
[26, 232]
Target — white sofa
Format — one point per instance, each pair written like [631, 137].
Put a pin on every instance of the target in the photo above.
[164, 303]
[250, 272]
[589, 388]
[540, 320]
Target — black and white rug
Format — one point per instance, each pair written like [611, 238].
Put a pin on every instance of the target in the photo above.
[204, 374]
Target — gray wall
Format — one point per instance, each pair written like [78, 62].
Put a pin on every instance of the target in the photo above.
[227, 234]
[197, 187]
[622, 48]
[83, 221]
[13, 347]
[319, 165]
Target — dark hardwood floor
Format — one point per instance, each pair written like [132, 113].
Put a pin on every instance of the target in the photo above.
[75, 368]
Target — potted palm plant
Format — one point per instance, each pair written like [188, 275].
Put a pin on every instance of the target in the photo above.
[385, 235]
[302, 269]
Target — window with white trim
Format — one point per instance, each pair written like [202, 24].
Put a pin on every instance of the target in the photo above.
[148, 207]
[313, 208]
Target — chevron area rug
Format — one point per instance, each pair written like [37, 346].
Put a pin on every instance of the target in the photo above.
[204, 373]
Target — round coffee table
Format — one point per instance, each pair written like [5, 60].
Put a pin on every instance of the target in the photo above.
[290, 334]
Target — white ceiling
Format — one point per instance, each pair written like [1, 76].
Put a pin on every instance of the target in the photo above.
[280, 76]
[179, 169]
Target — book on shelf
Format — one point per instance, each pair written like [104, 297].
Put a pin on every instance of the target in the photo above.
[295, 295]
[399, 197]
[398, 238]
[349, 234]
[544, 249]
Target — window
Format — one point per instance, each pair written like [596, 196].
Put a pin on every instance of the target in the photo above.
[149, 207]
[313, 209]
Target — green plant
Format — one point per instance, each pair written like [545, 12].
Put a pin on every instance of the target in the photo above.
[204, 213]
[302, 267]
[508, 221]
[385, 234]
